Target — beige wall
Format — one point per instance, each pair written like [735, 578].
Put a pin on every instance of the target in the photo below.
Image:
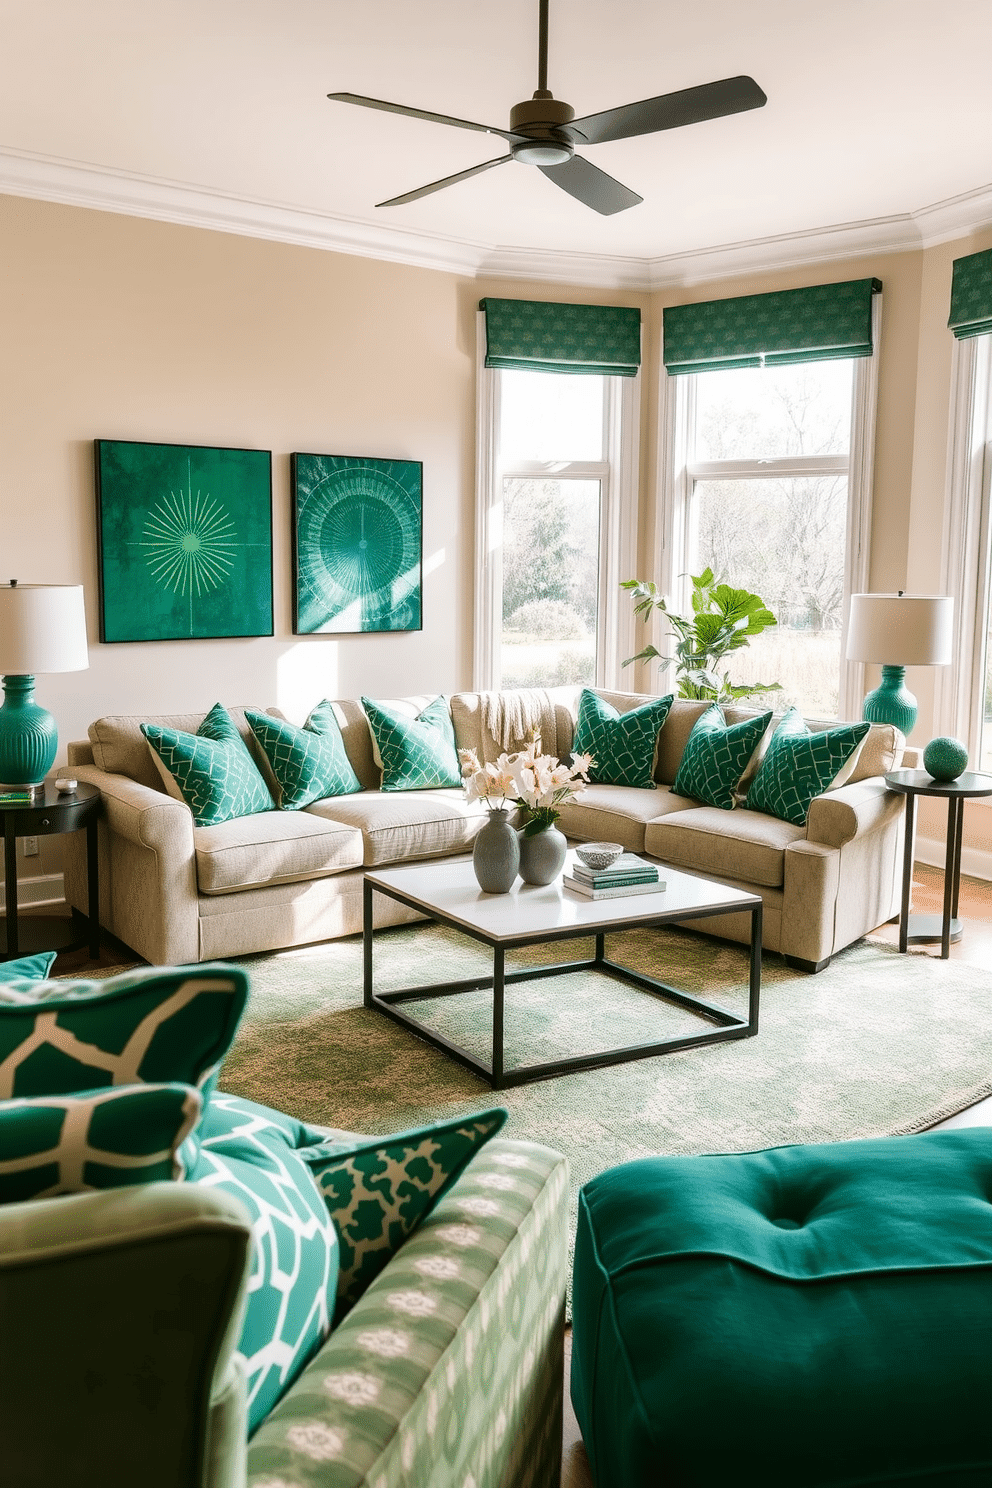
[117, 327]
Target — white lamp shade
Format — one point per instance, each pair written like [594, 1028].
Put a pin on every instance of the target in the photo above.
[42, 629]
[901, 629]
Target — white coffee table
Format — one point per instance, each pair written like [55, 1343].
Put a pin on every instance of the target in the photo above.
[448, 892]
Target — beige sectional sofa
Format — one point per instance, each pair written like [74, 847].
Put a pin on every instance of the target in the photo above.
[177, 893]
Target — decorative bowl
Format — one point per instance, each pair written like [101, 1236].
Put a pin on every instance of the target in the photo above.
[599, 854]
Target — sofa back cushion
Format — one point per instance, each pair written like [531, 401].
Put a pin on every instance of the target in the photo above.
[121, 748]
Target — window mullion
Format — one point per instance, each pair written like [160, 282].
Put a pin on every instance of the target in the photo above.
[798, 466]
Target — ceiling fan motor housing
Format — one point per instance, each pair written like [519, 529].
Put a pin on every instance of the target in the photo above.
[542, 118]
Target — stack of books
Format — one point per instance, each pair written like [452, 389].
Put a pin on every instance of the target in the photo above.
[15, 796]
[628, 875]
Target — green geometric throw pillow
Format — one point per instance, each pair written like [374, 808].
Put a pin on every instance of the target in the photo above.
[309, 763]
[415, 753]
[622, 745]
[258, 1155]
[56, 1144]
[799, 766]
[715, 757]
[213, 770]
[378, 1189]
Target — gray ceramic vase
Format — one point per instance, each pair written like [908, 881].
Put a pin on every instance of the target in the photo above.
[496, 854]
[542, 857]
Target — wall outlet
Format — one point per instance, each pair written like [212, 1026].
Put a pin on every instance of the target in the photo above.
[30, 847]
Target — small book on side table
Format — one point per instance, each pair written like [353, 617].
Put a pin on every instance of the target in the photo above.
[613, 891]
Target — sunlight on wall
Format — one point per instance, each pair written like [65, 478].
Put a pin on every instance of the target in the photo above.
[434, 562]
[306, 673]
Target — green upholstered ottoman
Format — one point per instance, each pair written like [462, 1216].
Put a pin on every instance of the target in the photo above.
[796, 1318]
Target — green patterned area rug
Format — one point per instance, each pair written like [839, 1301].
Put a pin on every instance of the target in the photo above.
[876, 1043]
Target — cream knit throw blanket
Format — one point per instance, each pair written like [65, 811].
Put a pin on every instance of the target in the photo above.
[512, 717]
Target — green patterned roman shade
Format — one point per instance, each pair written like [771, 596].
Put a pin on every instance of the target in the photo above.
[542, 336]
[971, 296]
[815, 324]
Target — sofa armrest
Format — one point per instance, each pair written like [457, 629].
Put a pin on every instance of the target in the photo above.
[449, 1369]
[142, 1287]
[144, 816]
[840, 815]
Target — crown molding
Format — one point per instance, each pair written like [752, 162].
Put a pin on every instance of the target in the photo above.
[99, 188]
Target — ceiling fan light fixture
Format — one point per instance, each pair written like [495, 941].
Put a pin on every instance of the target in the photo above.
[543, 152]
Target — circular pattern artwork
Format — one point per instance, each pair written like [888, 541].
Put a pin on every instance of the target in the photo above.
[358, 553]
[945, 759]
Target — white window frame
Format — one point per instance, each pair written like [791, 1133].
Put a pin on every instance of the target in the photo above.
[677, 474]
[966, 562]
[618, 475]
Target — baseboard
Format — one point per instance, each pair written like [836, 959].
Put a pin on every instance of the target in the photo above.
[48, 888]
[974, 862]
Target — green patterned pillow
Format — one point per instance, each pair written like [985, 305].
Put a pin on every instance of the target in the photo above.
[309, 763]
[258, 1155]
[57, 1144]
[34, 968]
[715, 757]
[213, 770]
[415, 753]
[622, 745]
[799, 765]
[378, 1189]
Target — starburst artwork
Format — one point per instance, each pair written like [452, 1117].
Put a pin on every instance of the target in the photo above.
[357, 552]
[185, 535]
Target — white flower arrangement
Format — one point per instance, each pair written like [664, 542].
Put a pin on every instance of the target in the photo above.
[537, 783]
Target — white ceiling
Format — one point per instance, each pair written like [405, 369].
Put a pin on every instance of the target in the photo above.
[215, 111]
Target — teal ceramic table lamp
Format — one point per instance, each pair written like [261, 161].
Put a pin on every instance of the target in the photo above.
[898, 630]
[42, 629]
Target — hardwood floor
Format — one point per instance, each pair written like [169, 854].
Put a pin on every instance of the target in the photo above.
[975, 947]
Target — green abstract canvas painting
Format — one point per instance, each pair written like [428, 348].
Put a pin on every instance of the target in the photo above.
[185, 538]
[358, 543]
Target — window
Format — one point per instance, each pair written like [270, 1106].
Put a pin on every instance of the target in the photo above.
[767, 481]
[557, 504]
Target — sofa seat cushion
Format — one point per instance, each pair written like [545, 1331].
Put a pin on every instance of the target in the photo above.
[743, 845]
[272, 847]
[838, 1295]
[397, 825]
[618, 813]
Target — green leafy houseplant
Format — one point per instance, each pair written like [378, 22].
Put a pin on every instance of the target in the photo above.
[723, 620]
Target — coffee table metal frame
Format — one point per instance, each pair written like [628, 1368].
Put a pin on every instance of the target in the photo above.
[639, 912]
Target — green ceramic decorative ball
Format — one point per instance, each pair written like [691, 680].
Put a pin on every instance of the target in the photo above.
[945, 759]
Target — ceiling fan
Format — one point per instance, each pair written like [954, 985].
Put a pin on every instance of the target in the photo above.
[544, 131]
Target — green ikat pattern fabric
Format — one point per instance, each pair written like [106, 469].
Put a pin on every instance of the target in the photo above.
[817, 323]
[258, 1155]
[799, 765]
[309, 763]
[415, 753]
[716, 756]
[543, 336]
[622, 745]
[57, 1144]
[971, 296]
[447, 1373]
[378, 1189]
[215, 774]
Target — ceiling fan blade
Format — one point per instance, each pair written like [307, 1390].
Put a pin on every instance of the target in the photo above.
[409, 196]
[588, 184]
[671, 110]
[414, 113]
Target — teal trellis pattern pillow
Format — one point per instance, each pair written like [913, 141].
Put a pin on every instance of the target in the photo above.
[799, 765]
[715, 757]
[215, 774]
[258, 1155]
[34, 968]
[309, 763]
[416, 753]
[378, 1189]
[148, 1026]
[56, 1144]
[622, 745]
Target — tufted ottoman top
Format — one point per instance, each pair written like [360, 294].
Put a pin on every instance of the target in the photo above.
[804, 1316]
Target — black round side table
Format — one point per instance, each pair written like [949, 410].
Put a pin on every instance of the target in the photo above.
[52, 812]
[912, 783]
